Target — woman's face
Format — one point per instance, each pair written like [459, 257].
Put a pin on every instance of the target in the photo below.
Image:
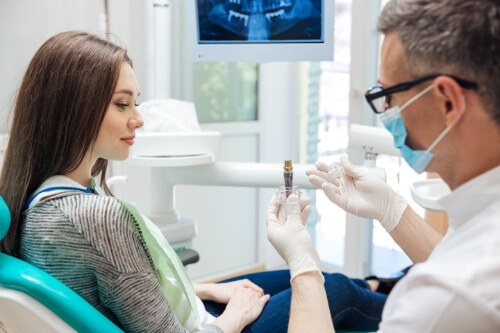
[117, 132]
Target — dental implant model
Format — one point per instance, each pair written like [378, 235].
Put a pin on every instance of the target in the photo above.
[285, 190]
[288, 175]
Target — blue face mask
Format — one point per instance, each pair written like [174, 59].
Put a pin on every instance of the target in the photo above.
[418, 160]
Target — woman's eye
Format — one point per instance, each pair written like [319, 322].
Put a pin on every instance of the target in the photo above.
[121, 106]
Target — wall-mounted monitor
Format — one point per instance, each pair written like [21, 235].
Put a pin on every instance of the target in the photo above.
[260, 30]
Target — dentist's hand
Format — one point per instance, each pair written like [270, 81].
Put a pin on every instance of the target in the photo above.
[359, 192]
[286, 231]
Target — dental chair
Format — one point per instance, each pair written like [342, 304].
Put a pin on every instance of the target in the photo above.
[33, 301]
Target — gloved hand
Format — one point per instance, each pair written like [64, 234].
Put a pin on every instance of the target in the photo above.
[286, 231]
[359, 192]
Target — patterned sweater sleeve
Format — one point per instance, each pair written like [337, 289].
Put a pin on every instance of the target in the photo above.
[122, 282]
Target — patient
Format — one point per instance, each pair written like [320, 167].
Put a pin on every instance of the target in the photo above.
[75, 110]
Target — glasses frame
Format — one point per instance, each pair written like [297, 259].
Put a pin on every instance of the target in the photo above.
[400, 87]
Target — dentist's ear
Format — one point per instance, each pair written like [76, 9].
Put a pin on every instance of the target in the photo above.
[453, 100]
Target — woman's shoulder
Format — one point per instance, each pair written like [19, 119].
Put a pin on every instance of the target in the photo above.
[102, 221]
[95, 231]
[90, 214]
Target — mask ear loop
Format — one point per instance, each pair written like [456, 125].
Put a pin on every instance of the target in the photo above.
[446, 130]
[411, 100]
[439, 138]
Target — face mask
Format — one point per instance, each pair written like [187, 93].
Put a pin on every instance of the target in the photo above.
[418, 160]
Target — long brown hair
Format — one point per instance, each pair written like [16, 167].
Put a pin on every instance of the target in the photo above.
[59, 109]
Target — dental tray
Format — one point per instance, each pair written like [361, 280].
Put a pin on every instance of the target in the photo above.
[164, 144]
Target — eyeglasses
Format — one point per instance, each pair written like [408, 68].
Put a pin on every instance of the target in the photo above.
[380, 98]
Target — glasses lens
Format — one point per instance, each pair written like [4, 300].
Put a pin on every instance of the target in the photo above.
[379, 103]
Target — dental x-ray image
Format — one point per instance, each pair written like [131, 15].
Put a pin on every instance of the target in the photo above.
[260, 21]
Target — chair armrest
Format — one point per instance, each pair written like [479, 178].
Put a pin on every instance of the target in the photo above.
[187, 256]
[18, 275]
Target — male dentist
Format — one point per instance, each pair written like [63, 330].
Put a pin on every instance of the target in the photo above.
[438, 95]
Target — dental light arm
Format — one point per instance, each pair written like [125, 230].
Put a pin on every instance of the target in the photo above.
[372, 141]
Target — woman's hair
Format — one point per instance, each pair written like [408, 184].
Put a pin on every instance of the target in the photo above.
[458, 37]
[59, 109]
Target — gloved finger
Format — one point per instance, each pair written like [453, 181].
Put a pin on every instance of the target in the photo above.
[292, 208]
[281, 214]
[310, 171]
[322, 166]
[317, 179]
[333, 194]
[304, 214]
[273, 202]
[272, 211]
[304, 201]
[273, 205]
[318, 173]
[351, 169]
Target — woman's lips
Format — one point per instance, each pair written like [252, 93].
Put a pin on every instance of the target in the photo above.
[128, 140]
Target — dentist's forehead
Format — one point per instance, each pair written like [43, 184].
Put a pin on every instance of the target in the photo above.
[393, 66]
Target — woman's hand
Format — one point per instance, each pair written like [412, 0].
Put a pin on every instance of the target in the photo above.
[244, 306]
[223, 292]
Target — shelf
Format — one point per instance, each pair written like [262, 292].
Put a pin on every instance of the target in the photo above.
[171, 161]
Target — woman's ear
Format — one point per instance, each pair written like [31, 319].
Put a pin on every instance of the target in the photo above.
[451, 99]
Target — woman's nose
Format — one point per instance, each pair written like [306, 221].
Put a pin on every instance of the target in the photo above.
[136, 121]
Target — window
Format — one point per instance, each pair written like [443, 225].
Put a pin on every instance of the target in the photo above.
[225, 92]
[334, 97]
[333, 133]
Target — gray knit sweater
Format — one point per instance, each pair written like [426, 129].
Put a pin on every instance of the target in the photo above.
[92, 244]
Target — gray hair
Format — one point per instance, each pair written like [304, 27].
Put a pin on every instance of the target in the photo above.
[456, 37]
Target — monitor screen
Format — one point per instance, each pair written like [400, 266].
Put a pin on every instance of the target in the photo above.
[261, 30]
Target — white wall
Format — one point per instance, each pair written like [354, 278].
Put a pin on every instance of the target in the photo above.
[25, 25]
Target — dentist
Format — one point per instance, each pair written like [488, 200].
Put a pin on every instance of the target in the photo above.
[438, 96]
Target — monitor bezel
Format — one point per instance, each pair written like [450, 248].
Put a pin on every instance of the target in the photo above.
[261, 52]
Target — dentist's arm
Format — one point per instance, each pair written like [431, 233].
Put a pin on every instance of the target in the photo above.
[359, 192]
[309, 310]
[415, 237]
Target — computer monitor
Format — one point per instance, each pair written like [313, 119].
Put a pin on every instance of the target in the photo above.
[260, 30]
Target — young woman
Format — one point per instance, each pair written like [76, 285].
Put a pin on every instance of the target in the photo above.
[76, 110]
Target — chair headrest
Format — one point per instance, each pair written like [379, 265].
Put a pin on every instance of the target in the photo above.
[4, 218]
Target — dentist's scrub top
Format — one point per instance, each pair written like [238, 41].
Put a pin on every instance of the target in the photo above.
[458, 288]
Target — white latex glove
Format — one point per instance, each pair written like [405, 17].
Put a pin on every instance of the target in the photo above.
[286, 231]
[359, 192]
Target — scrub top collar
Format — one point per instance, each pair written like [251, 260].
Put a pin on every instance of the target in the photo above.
[472, 197]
